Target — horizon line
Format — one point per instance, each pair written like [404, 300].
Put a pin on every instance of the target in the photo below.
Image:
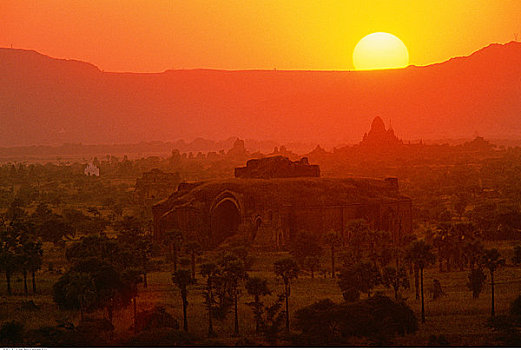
[274, 69]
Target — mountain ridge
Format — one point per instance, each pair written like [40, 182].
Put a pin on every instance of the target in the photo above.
[46, 100]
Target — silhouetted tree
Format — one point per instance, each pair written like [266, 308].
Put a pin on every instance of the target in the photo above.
[12, 333]
[333, 240]
[182, 279]
[377, 319]
[516, 259]
[304, 246]
[91, 284]
[515, 309]
[155, 318]
[358, 233]
[75, 290]
[131, 278]
[133, 239]
[476, 278]
[54, 230]
[8, 255]
[492, 260]
[31, 256]
[287, 269]
[211, 272]
[473, 251]
[194, 249]
[362, 277]
[396, 279]
[175, 241]
[272, 325]
[257, 287]
[233, 272]
[312, 263]
[421, 255]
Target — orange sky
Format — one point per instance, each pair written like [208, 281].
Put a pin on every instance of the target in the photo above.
[154, 35]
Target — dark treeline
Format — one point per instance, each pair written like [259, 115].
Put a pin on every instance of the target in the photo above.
[95, 236]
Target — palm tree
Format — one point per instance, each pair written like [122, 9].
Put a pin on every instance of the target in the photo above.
[312, 263]
[31, 259]
[420, 253]
[35, 262]
[333, 240]
[492, 260]
[437, 238]
[143, 250]
[9, 253]
[257, 287]
[210, 271]
[473, 251]
[287, 269]
[234, 272]
[194, 249]
[358, 233]
[182, 279]
[176, 242]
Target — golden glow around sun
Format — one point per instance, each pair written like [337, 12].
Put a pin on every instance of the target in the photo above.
[380, 51]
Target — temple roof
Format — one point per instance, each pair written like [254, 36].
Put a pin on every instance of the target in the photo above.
[302, 192]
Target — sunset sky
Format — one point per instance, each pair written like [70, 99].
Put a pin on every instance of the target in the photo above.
[151, 36]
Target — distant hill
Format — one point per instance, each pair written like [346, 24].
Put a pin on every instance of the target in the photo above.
[50, 101]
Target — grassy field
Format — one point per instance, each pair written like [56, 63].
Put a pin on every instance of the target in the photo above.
[457, 316]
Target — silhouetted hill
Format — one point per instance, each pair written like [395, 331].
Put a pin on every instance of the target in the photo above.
[49, 101]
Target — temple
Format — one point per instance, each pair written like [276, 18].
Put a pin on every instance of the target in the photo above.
[270, 201]
[155, 185]
[379, 137]
[277, 167]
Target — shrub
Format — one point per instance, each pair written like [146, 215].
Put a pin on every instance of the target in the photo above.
[162, 337]
[154, 319]
[515, 309]
[377, 319]
[11, 333]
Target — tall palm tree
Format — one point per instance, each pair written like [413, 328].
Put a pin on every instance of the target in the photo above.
[473, 252]
[257, 287]
[234, 271]
[177, 239]
[182, 279]
[35, 262]
[31, 259]
[194, 249]
[333, 240]
[421, 255]
[210, 271]
[10, 257]
[492, 260]
[287, 269]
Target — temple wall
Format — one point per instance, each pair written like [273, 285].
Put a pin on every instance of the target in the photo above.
[273, 226]
[279, 225]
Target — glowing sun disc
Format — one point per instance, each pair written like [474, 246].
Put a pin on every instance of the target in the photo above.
[380, 51]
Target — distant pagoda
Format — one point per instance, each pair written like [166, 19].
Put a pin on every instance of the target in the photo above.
[379, 137]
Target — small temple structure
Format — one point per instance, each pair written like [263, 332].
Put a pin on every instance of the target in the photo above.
[277, 167]
[379, 137]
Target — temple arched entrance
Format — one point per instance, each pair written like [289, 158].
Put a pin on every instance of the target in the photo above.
[225, 220]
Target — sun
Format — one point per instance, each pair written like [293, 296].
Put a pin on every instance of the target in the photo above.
[380, 51]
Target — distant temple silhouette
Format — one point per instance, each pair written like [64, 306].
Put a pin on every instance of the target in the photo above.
[277, 167]
[379, 137]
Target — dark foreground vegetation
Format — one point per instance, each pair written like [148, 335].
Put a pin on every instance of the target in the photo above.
[79, 267]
